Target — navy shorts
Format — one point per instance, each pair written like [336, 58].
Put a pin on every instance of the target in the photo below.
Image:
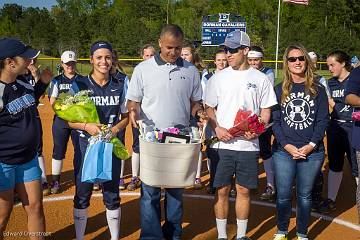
[265, 144]
[61, 134]
[242, 164]
[135, 145]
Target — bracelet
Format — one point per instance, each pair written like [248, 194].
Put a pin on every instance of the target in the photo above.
[84, 127]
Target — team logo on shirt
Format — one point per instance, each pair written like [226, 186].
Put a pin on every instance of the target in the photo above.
[298, 110]
[20, 104]
[251, 85]
[106, 100]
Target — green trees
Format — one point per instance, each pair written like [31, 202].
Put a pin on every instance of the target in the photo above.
[322, 26]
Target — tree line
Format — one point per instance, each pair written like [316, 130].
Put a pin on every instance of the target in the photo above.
[322, 26]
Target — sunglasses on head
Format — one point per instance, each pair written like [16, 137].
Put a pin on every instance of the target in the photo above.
[232, 50]
[293, 59]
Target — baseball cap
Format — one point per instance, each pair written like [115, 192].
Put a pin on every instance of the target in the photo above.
[12, 47]
[354, 60]
[236, 39]
[100, 44]
[68, 56]
[312, 55]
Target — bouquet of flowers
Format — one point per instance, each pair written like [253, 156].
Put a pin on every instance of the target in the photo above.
[355, 116]
[245, 121]
[76, 108]
[80, 108]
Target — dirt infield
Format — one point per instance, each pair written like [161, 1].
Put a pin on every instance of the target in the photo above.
[199, 219]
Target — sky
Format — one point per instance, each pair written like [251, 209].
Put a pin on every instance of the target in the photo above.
[31, 3]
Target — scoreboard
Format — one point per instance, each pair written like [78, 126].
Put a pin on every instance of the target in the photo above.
[216, 27]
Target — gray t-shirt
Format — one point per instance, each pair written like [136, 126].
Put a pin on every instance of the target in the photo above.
[165, 90]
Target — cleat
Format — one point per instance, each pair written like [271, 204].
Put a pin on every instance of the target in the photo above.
[55, 187]
[134, 184]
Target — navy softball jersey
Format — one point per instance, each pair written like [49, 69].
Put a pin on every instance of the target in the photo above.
[108, 99]
[19, 127]
[353, 87]
[61, 84]
[341, 110]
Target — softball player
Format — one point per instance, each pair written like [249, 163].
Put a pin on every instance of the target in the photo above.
[109, 98]
[32, 77]
[147, 51]
[190, 54]
[19, 135]
[339, 131]
[122, 78]
[255, 57]
[60, 129]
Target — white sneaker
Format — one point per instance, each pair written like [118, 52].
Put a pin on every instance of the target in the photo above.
[280, 236]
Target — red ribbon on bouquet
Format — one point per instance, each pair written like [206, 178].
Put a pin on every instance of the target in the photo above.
[246, 121]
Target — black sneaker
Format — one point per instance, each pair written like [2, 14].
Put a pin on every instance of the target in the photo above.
[327, 206]
[244, 238]
[268, 195]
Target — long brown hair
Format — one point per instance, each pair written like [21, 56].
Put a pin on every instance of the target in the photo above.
[310, 86]
[197, 61]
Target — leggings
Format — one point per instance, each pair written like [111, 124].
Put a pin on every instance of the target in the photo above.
[358, 186]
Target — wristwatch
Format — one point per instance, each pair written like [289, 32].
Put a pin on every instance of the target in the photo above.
[312, 144]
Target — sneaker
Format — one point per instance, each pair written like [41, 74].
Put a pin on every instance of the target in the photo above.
[316, 205]
[134, 184]
[301, 238]
[244, 238]
[268, 195]
[122, 184]
[279, 236]
[96, 187]
[327, 206]
[233, 192]
[46, 189]
[55, 187]
[198, 184]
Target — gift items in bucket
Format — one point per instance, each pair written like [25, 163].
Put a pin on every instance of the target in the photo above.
[98, 157]
[168, 156]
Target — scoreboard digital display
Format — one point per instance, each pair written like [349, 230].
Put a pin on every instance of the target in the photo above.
[214, 32]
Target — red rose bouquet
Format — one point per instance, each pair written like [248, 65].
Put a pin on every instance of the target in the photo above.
[247, 121]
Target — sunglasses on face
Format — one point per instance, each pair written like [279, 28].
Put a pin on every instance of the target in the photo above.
[293, 59]
[232, 50]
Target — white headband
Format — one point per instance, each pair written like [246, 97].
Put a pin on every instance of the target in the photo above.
[255, 54]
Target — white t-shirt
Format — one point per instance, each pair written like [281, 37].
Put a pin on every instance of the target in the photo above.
[231, 90]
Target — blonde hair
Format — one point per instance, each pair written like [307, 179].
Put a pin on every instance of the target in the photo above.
[310, 85]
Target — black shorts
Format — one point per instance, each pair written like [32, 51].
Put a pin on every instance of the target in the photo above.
[242, 164]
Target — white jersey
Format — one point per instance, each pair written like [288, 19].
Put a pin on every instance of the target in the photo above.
[230, 90]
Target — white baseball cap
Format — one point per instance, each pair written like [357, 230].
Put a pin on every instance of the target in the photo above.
[68, 56]
[312, 55]
[236, 39]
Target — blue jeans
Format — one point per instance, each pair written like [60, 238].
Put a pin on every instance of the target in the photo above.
[304, 172]
[150, 211]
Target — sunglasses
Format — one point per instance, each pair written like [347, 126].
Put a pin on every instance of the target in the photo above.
[293, 59]
[232, 50]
